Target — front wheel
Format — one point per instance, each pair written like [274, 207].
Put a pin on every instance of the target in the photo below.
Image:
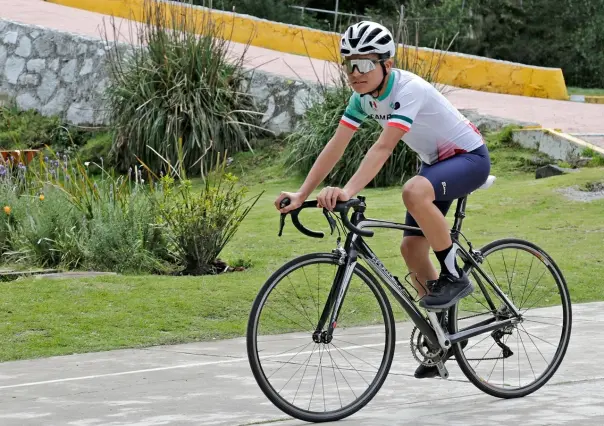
[516, 360]
[318, 382]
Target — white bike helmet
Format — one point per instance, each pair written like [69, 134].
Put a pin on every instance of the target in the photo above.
[367, 37]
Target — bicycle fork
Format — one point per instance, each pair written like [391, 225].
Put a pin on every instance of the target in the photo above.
[333, 305]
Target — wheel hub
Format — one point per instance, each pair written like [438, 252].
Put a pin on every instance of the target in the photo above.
[322, 337]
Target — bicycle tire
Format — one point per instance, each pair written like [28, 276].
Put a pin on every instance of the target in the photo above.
[255, 365]
[564, 340]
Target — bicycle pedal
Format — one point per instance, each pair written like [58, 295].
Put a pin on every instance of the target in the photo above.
[442, 370]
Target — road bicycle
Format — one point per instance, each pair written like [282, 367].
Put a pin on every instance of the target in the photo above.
[327, 317]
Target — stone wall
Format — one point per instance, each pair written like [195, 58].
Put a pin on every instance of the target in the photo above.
[52, 72]
[65, 74]
[283, 101]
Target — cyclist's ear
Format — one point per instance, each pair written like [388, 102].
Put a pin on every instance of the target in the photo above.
[389, 63]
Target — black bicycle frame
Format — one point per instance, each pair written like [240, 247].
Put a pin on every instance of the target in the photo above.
[355, 247]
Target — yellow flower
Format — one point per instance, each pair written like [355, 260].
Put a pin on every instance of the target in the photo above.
[41, 197]
[7, 209]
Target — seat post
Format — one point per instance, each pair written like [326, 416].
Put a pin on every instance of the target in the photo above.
[460, 214]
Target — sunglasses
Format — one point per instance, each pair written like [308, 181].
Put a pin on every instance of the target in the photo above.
[363, 66]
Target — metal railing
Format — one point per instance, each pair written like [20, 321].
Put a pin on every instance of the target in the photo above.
[335, 12]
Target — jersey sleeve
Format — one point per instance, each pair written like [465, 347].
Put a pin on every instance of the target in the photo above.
[408, 101]
[354, 114]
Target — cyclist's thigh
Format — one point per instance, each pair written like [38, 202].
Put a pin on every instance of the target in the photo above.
[459, 175]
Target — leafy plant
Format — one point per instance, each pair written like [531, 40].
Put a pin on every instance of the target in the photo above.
[128, 239]
[502, 139]
[31, 130]
[97, 150]
[58, 215]
[597, 160]
[179, 83]
[202, 221]
[43, 234]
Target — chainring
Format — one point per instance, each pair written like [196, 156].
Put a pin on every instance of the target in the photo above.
[421, 352]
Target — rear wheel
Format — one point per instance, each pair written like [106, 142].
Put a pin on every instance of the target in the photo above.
[517, 360]
[312, 381]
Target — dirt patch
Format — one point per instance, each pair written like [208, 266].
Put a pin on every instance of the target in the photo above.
[593, 187]
[591, 191]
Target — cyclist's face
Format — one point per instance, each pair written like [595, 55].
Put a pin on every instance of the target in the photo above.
[364, 82]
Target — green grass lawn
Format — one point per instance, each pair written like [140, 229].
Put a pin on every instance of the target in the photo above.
[581, 91]
[43, 317]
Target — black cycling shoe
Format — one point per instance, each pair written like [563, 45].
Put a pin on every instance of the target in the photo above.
[446, 291]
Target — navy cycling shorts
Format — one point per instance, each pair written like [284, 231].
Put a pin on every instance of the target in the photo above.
[454, 178]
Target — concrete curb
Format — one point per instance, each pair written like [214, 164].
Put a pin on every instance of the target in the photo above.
[553, 142]
[589, 99]
[456, 69]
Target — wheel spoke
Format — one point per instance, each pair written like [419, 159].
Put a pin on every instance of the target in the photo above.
[541, 292]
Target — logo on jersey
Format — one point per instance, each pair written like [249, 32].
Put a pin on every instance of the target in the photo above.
[380, 116]
[373, 104]
[395, 105]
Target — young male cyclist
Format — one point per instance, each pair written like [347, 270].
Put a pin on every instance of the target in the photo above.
[455, 160]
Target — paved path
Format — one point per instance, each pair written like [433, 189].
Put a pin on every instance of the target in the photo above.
[211, 384]
[569, 116]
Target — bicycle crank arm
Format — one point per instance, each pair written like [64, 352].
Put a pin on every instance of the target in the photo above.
[442, 370]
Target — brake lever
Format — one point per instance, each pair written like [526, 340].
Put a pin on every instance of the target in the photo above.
[285, 202]
[330, 220]
[282, 223]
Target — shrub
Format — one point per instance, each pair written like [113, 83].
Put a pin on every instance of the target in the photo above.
[62, 217]
[201, 222]
[97, 150]
[43, 231]
[31, 130]
[127, 239]
[180, 82]
[55, 214]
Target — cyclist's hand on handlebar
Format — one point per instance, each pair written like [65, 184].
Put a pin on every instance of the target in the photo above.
[296, 200]
[329, 196]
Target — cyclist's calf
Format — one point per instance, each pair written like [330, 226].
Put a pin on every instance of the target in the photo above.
[416, 253]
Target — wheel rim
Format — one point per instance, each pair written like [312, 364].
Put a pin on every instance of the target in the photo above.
[533, 283]
[319, 379]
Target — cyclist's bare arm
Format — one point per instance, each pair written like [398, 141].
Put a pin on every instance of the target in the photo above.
[374, 160]
[324, 163]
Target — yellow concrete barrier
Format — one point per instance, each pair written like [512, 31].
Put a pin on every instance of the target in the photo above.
[594, 99]
[472, 72]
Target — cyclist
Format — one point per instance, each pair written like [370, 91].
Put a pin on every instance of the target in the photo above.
[455, 160]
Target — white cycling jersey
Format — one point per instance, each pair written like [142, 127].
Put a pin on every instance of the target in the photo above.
[435, 129]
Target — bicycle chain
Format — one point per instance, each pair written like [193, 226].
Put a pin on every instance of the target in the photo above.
[430, 362]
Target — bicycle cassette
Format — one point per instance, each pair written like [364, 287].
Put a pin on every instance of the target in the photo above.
[421, 352]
